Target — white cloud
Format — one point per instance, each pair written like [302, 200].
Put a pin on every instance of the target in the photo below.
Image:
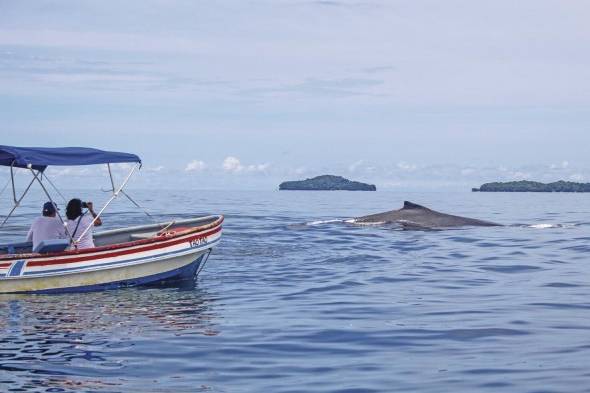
[123, 166]
[355, 165]
[300, 171]
[69, 171]
[158, 168]
[563, 165]
[577, 177]
[233, 165]
[519, 175]
[195, 166]
[405, 166]
[257, 167]
[468, 171]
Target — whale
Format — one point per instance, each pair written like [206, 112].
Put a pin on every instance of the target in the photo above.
[414, 216]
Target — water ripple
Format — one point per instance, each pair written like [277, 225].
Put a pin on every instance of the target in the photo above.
[330, 307]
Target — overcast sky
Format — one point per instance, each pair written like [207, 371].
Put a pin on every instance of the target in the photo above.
[243, 94]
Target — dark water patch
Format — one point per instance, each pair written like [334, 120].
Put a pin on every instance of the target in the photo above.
[560, 285]
[458, 255]
[510, 268]
[579, 248]
[453, 313]
[497, 371]
[516, 253]
[463, 239]
[554, 262]
[562, 306]
[495, 385]
[472, 334]
[519, 322]
[491, 258]
[485, 244]
[390, 280]
[571, 327]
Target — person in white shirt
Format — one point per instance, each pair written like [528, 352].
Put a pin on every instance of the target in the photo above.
[46, 227]
[78, 222]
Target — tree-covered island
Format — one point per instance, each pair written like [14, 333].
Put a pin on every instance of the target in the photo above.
[533, 186]
[327, 183]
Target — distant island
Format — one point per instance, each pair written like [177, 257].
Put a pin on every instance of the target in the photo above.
[533, 186]
[326, 183]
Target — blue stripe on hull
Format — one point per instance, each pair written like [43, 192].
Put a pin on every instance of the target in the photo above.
[16, 268]
[184, 272]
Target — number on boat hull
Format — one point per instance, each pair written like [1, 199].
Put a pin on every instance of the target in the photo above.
[198, 242]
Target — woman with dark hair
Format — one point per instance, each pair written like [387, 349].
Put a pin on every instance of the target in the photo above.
[79, 222]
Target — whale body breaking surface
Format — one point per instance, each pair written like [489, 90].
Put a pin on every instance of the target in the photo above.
[414, 216]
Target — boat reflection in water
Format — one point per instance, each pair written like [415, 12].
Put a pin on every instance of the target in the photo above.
[66, 342]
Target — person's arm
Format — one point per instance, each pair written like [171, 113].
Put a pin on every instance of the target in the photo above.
[98, 221]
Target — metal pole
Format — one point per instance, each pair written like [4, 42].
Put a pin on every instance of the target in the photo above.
[127, 195]
[17, 202]
[115, 195]
[12, 179]
[5, 187]
[55, 188]
[111, 177]
[137, 205]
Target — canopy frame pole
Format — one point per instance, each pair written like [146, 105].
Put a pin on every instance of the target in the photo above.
[12, 180]
[112, 198]
[111, 177]
[137, 205]
[16, 201]
[36, 176]
[127, 195]
[5, 187]
[54, 187]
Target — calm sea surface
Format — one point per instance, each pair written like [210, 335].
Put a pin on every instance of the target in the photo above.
[287, 304]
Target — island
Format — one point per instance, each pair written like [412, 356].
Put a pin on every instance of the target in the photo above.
[326, 183]
[533, 186]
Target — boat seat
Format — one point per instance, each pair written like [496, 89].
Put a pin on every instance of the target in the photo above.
[53, 245]
[16, 248]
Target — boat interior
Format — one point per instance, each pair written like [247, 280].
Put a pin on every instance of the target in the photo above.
[110, 237]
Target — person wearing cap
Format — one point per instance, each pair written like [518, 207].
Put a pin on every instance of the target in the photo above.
[46, 227]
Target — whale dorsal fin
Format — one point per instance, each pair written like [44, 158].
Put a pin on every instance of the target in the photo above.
[412, 205]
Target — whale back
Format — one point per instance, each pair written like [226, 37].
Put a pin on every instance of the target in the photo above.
[413, 215]
[411, 205]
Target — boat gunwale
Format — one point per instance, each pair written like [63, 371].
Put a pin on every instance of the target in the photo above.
[157, 239]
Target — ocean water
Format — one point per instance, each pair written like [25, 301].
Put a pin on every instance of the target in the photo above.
[294, 301]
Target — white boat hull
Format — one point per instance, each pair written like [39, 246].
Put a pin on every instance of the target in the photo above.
[135, 263]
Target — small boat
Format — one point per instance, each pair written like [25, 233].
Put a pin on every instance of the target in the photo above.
[124, 257]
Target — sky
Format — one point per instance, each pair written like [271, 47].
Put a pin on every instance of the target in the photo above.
[421, 94]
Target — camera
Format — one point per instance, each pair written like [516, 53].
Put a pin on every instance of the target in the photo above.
[84, 205]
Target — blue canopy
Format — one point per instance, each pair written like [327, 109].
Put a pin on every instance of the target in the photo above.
[40, 157]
